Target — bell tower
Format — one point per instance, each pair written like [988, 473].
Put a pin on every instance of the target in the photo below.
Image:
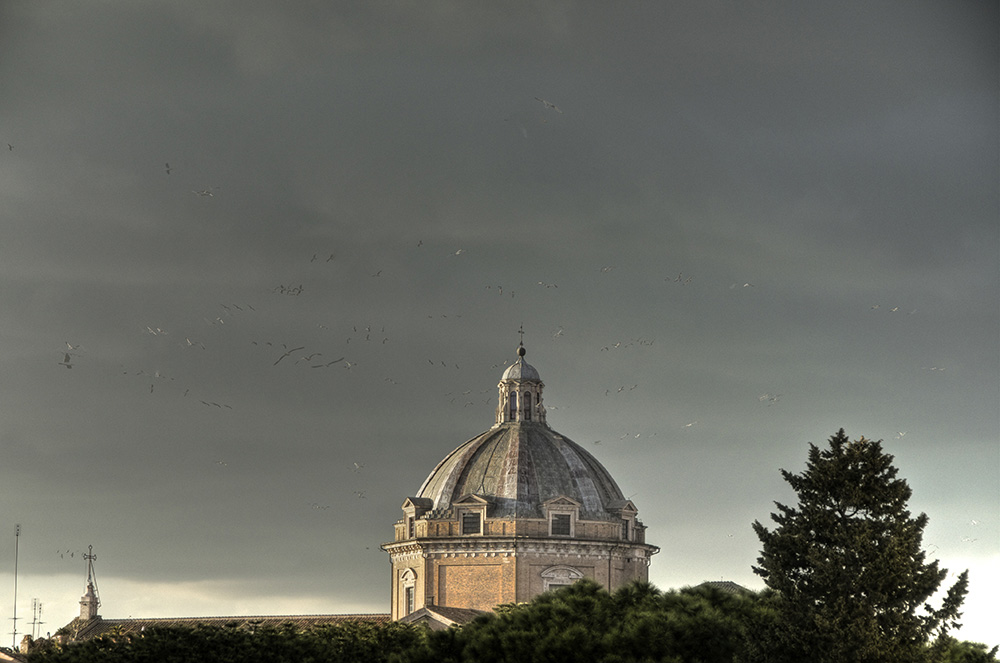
[91, 600]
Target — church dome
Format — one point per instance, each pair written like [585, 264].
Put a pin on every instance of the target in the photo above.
[521, 463]
[517, 467]
[514, 512]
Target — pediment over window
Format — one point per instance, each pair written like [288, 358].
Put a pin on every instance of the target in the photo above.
[567, 573]
[561, 502]
[471, 513]
[413, 509]
[560, 576]
[561, 512]
[623, 507]
[419, 504]
[472, 500]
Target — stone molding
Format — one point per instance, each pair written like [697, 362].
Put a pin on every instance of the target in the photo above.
[482, 546]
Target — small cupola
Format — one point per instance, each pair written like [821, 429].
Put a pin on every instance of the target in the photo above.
[520, 398]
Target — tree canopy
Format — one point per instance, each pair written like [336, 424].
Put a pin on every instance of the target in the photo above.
[852, 580]
[340, 643]
[586, 623]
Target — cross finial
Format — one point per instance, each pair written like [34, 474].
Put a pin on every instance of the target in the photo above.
[90, 557]
[521, 332]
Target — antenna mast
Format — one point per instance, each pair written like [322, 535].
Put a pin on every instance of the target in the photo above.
[17, 540]
[36, 618]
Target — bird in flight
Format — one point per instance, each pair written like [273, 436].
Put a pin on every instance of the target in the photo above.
[167, 168]
[288, 353]
[66, 361]
[549, 105]
[308, 358]
[329, 363]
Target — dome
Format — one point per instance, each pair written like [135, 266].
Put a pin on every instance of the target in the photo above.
[519, 466]
[514, 512]
[521, 370]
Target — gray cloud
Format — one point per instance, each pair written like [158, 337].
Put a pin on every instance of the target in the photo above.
[797, 166]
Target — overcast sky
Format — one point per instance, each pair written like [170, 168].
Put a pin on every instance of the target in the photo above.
[288, 248]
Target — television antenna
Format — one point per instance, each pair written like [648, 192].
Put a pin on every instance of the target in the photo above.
[36, 618]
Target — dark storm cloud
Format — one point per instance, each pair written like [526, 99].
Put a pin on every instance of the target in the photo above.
[822, 179]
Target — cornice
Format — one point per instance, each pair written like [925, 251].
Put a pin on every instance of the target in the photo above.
[494, 546]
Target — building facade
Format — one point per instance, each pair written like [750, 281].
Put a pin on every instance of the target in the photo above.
[512, 513]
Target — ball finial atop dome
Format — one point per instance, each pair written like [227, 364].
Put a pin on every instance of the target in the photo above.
[520, 350]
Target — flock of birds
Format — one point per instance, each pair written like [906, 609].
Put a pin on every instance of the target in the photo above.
[316, 359]
[283, 355]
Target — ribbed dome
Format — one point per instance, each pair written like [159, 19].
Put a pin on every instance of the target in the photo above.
[519, 466]
[521, 370]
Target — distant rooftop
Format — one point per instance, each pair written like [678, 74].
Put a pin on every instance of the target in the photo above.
[727, 586]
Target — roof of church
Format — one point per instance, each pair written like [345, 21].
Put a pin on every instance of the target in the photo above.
[442, 616]
[517, 466]
[11, 655]
[727, 586]
[91, 628]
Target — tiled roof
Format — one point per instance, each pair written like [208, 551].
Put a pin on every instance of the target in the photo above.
[457, 615]
[439, 617]
[11, 655]
[727, 586]
[92, 628]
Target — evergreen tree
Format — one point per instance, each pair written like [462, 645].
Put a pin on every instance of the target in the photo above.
[950, 650]
[847, 565]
